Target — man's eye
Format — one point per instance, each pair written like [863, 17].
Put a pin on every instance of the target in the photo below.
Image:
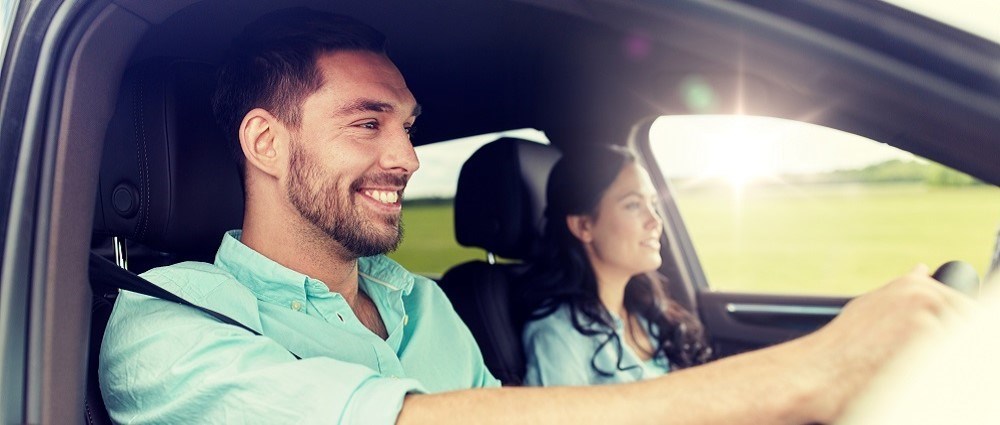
[410, 130]
[371, 125]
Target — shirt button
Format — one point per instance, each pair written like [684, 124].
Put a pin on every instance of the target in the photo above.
[406, 319]
[296, 305]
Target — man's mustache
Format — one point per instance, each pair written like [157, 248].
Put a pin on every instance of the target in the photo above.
[380, 179]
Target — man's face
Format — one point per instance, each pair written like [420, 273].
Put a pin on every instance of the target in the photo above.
[351, 156]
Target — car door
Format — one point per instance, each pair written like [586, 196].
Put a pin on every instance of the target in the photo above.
[775, 224]
[19, 153]
[35, 351]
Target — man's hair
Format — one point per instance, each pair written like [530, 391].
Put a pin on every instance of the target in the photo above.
[272, 65]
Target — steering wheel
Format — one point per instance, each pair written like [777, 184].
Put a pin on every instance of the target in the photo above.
[960, 276]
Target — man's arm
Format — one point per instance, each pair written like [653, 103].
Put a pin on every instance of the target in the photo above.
[754, 388]
[806, 380]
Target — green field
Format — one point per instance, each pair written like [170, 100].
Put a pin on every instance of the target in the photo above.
[827, 239]
[429, 245]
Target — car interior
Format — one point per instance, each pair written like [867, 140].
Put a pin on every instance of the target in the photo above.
[127, 161]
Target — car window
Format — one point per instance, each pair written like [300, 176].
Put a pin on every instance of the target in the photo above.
[429, 246]
[7, 11]
[778, 206]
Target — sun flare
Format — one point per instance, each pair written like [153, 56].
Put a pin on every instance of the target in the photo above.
[740, 159]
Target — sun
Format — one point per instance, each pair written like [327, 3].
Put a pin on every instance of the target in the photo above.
[740, 159]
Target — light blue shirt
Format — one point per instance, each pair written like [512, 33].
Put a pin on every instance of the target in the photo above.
[557, 354]
[163, 362]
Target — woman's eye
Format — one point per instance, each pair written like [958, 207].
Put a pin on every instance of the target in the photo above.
[656, 209]
[633, 205]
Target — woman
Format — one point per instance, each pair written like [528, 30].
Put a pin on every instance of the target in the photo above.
[600, 311]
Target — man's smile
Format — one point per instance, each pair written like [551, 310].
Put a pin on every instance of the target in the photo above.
[383, 196]
[384, 199]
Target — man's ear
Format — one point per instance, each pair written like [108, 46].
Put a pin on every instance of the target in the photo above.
[579, 226]
[264, 140]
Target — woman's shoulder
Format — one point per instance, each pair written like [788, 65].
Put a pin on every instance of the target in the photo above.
[548, 315]
[555, 334]
[558, 322]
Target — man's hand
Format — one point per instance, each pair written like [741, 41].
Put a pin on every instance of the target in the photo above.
[808, 380]
[874, 327]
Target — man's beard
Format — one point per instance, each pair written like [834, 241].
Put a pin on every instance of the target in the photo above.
[341, 220]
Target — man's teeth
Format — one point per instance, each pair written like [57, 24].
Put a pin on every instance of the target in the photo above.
[383, 196]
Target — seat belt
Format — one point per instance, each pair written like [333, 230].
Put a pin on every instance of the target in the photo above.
[106, 272]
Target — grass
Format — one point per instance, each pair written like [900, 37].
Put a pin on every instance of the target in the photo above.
[833, 239]
[429, 245]
[838, 239]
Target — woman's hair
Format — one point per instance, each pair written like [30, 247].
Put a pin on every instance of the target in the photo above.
[564, 274]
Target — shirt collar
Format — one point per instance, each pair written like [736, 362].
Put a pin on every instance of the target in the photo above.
[272, 282]
[268, 280]
[382, 272]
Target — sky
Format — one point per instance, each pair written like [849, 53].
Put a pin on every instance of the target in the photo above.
[980, 17]
[734, 146]
[6, 11]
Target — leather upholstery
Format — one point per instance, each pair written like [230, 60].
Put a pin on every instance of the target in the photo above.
[167, 178]
[167, 182]
[500, 198]
[498, 206]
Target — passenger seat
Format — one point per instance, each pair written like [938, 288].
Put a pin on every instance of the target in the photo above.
[499, 205]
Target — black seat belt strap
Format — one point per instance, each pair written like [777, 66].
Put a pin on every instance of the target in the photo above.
[106, 272]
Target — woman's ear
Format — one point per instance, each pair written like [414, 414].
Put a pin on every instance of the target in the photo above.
[263, 139]
[579, 226]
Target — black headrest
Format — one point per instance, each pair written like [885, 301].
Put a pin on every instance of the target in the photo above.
[167, 179]
[501, 197]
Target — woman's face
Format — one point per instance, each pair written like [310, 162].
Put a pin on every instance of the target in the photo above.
[623, 238]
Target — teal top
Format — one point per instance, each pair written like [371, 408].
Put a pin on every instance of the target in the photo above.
[558, 354]
[164, 362]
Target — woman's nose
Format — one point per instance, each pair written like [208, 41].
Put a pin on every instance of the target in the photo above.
[654, 220]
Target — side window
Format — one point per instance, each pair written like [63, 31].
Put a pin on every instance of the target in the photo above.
[7, 11]
[429, 246]
[778, 206]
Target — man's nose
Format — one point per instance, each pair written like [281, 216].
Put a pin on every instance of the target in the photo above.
[399, 154]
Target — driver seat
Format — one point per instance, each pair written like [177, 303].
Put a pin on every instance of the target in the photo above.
[167, 182]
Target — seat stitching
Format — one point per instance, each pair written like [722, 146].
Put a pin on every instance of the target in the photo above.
[144, 164]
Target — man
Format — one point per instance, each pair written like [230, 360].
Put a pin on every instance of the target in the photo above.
[319, 118]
